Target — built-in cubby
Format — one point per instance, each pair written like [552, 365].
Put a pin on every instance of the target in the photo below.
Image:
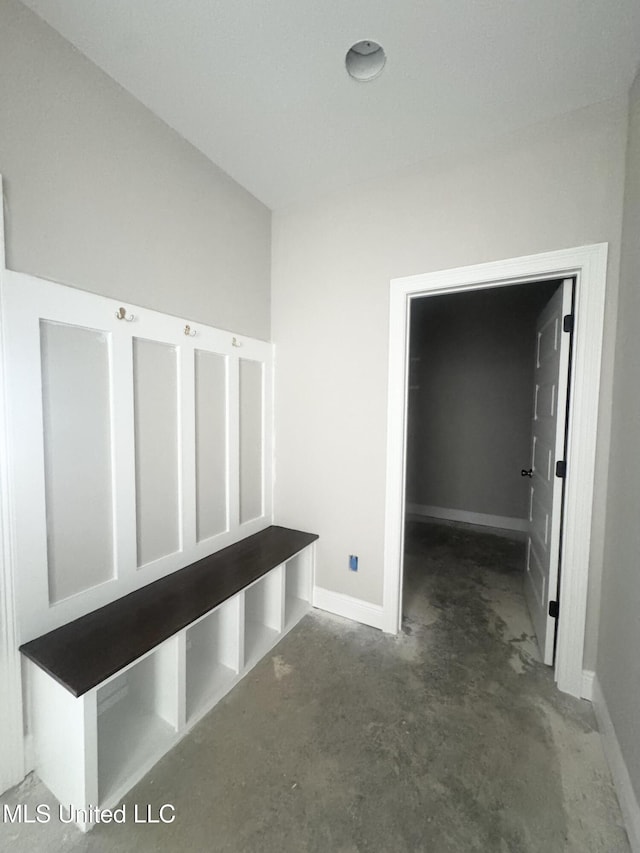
[213, 651]
[137, 719]
[113, 691]
[262, 615]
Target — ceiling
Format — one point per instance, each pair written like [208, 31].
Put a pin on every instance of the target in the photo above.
[260, 87]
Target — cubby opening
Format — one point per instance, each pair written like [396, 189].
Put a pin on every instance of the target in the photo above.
[297, 584]
[137, 720]
[262, 615]
[213, 655]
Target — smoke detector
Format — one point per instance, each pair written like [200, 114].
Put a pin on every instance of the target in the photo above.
[365, 60]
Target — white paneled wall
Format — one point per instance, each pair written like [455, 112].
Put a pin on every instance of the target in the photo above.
[140, 443]
[157, 446]
[251, 450]
[76, 414]
[211, 384]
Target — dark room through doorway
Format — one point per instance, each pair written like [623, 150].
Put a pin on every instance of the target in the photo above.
[487, 405]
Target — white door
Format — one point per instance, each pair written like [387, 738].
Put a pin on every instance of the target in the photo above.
[548, 442]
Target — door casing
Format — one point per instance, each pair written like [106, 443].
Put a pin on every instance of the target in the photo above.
[589, 265]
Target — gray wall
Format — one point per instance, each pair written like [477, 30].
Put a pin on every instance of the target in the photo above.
[104, 196]
[470, 408]
[618, 667]
[553, 186]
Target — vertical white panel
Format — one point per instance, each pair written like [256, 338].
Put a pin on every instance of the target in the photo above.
[187, 448]
[166, 665]
[211, 444]
[251, 440]
[64, 732]
[181, 678]
[77, 443]
[156, 442]
[274, 586]
[233, 422]
[124, 457]
[229, 634]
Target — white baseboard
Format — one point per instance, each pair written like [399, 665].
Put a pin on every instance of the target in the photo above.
[349, 607]
[503, 522]
[624, 787]
[588, 676]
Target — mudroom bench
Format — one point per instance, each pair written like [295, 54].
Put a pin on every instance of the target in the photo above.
[113, 691]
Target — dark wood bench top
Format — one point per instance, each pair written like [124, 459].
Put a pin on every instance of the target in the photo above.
[88, 650]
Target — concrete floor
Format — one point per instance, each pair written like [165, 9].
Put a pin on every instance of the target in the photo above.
[450, 738]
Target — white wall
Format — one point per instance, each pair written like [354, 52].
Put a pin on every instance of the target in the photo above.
[555, 186]
[471, 399]
[618, 667]
[104, 196]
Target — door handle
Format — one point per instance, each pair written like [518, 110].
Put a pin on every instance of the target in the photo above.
[525, 473]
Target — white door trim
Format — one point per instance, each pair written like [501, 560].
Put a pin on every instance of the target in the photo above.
[12, 761]
[589, 265]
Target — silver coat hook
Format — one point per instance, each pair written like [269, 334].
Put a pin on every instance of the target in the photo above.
[189, 332]
[235, 342]
[121, 314]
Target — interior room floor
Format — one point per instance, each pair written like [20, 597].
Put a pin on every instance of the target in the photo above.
[447, 739]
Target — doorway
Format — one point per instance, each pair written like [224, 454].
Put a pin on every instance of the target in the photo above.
[487, 398]
[587, 264]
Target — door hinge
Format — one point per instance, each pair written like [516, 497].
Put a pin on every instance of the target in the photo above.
[553, 609]
[561, 469]
[567, 323]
